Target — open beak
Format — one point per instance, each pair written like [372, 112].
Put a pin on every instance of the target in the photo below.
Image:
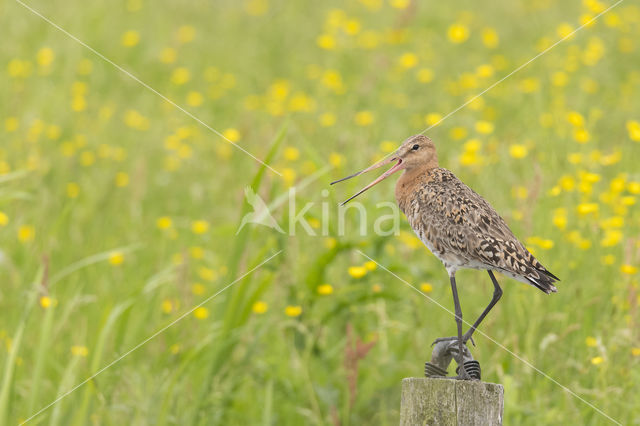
[392, 170]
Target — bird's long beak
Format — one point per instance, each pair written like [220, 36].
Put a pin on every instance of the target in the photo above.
[392, 170]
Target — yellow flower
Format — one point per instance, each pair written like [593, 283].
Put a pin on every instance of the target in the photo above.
[122, 179]
[77, 350]
[376, 288]
[408, 60]
[633, 127]
[559, 79]
[175, 348]
[560, 218]
[330, 242]
[73, 190]
[400, 4]
[168, 306]
[326, 41]
[291, 153]
[357, 271]
[168, 55]
[581, 136]
[611, 238]
[116, 258]
[164, 222]
[45, 301]
[352, 27]
[194, 98]
[135, 120]
[372, 4]
[629, 269]
[371, 265]
[364, 118]
[196, 252]
[201, 313]
[575, 118]
[289, 176]
[324, 289]
[587, 208]
[259, 307]
[458, 33]
[458, 133]
[336, 159]
[256, 7]
[597, 360]
[529, 85]
[18, 68]
[199, 226]
[635, 351]
[484, 127]
[207, 274]
[293, 311]
[333, 80]
[78, 103]
[26, 233]
[484, 71]
[425, 75]
[11, 124]
[490, 37]
[591, 341]
[433, 118]
[327, 119]
[130, 38]
[4, 219]
[186, 34]
[633, 187]
[609, 259]
[45, 56]
[180, 76]
[426, 288]
[564, 30]
[231, 134]
[518, 151]
[198, 289]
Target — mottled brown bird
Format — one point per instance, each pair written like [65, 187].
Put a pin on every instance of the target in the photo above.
[457, 225]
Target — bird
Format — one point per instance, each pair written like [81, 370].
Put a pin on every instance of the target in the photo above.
[458, 226]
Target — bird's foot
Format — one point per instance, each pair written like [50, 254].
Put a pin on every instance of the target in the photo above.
[465, 339]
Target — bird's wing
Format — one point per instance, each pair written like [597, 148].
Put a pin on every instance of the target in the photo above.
[459, 221]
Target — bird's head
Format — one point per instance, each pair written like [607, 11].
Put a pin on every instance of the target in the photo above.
[416, 151]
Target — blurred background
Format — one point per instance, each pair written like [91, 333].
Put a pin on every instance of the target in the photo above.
[119, 211]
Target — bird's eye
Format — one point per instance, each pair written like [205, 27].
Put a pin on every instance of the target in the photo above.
[415, 147]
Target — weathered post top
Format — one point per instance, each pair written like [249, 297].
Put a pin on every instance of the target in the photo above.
[439, 401]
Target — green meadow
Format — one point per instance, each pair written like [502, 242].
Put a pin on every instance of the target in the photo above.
[131, 130]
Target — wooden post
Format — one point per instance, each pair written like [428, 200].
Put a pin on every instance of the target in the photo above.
[435, 401]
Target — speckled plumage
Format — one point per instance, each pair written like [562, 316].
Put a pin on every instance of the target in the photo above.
[464, 231]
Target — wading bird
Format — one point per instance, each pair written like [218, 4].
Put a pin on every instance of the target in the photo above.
[457, 225]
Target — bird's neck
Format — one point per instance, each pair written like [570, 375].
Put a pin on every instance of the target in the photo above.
[411, 180]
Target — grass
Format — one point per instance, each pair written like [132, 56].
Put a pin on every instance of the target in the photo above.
[118, 212]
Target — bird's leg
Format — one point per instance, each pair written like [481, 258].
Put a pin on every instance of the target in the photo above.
[497, 294]
[461, 343]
